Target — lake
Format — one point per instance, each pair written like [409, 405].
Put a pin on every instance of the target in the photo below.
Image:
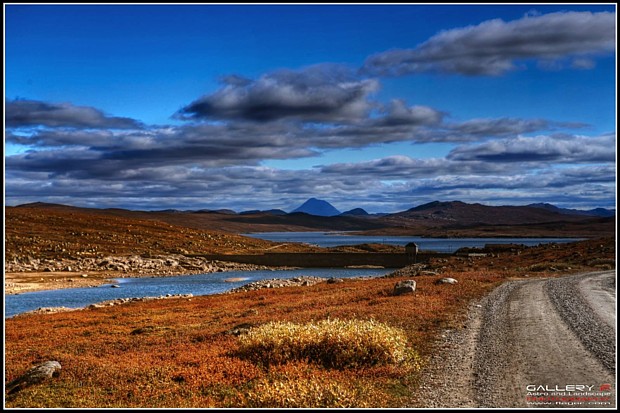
[200, 284]
[449, 245]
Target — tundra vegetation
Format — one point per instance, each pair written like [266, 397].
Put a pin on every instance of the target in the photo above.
[347, 344]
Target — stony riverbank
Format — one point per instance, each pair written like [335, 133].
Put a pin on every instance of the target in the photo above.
[29, 274]
[170, 264]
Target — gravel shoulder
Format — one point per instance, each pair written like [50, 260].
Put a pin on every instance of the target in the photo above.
[558, 333]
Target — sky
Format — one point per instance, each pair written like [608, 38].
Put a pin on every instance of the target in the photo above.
[245, 107]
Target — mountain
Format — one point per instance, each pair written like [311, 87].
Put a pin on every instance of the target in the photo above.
[457, 213]
[317, 207]
[268, 212]
[216, 211]
[434, 219]
[596, 212]
[355, 212]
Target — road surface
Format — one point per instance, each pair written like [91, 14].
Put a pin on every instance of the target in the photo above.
[537, 343]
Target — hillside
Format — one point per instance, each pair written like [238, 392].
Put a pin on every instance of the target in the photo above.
[172, 231]
[61, 232]
[458, 219]
[596, 212]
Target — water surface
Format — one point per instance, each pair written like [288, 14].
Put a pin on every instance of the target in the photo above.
[448, 245]
[199, 284]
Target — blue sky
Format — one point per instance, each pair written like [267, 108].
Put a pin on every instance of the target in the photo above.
[382, 107]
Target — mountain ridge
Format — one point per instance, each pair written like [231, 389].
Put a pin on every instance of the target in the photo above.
[318, 207]
[596, 212]
[434, 219]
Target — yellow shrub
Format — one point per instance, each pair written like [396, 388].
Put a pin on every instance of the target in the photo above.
[310, 392]
[332, 343]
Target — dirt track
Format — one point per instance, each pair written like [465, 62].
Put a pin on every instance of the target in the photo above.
[558, 333]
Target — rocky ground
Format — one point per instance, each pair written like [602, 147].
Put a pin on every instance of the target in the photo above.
[34, 274]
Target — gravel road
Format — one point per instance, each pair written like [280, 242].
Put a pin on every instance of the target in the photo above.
[558, 333]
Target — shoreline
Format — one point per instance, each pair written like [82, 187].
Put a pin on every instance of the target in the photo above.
[28, 274]
[28, 282]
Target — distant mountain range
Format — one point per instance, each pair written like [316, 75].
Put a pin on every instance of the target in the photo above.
[434, 219]
[319, 207]
[596, 212]
[322, 208]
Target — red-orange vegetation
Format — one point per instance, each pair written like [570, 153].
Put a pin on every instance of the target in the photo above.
[177, 353]
[181, 353]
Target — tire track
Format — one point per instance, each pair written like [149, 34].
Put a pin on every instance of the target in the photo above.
[595, 334]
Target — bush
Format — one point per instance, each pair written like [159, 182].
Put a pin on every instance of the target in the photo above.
[331, 343]
[549, 266]
[606, 264]
[309, 392]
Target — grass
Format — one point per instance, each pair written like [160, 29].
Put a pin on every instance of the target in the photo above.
[330, 343]
[179, 353]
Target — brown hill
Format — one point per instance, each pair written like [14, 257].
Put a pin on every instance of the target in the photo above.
[460, 213]
[458, 219]
[45, 228]
[226, 221]
[58, 231]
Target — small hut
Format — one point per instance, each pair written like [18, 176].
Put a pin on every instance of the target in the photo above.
[411, 249]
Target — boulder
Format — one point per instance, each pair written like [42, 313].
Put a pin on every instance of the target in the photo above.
[35, 375]
[446, 280]
[239, 329]
[404, 287]
[334, 280]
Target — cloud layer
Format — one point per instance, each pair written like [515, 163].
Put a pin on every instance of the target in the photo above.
[19, 113]
[495, 47]
[317, 93]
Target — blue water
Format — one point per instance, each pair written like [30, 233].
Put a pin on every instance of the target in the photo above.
[201, 284]
[449, 245]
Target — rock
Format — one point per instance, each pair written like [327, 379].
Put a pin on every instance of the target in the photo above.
[239, 329]
[115, 286]
[35, 375]
[84, 275]
[446, 280]
[334, 280]
[404, 287]
[430, 273]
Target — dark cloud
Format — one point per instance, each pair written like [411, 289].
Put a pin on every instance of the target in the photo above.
[557, 149]
[398, 113]
[494, 47]
[27, 113]
[421, 124]
[401, 167]
[318, 93]
[506, 127]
